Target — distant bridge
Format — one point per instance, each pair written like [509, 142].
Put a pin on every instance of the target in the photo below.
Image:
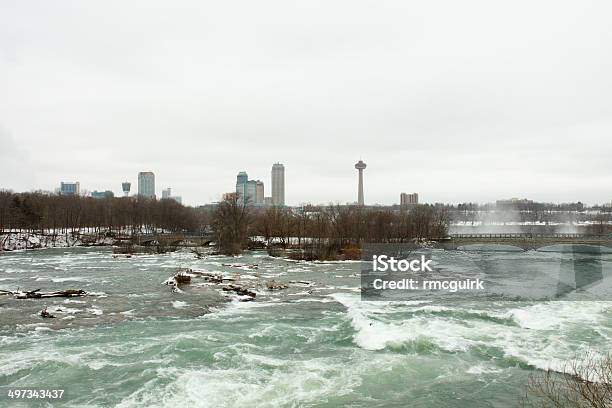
[170, 240]
[525, 240]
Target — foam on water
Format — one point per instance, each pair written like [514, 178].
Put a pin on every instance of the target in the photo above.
[482, 369]
[178, 304]
[541, 337]
[292, 383]
[556, 315]
[313, 299]
[95, 311]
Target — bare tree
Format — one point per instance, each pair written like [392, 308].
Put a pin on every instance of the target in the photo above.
[230, 223]
[39, 211]
[585, 383]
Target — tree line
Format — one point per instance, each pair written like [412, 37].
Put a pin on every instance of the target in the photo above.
[322, 231]
[594, 220]
[43, 212]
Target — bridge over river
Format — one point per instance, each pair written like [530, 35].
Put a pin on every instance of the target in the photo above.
[525, 241]
[171, 240]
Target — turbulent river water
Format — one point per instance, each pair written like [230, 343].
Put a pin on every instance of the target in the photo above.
[136, 343]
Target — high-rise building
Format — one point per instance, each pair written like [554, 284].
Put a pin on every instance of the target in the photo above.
[278, 184]
[126, 186]
[251, 192]
[241, 185]
[408, 199]
[146, 184]
[259, 192]
[360, 165]
[268, 201]
[242, 177]
[70, 188]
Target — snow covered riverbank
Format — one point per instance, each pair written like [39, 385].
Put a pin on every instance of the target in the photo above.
[15, 241]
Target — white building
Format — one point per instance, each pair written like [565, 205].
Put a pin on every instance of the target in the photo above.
[70, 188]
[146, 184]
[409, 199]
[278, 184]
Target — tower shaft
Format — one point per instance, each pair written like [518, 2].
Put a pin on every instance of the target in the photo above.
[360, 166]
[360, 188]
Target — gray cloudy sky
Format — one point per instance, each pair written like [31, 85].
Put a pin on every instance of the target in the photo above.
[457, 100]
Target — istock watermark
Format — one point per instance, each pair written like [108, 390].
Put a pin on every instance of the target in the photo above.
[413, 284]
[383, 263]
[402, 272]
[407, 272]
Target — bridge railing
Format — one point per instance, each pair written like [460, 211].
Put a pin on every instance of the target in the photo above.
[528, 235]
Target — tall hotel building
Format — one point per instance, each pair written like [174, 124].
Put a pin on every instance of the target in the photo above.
[146, 184]
[70, 188]
[278, 184]
[246, 189]
[241, 186]
[259, 192]
[409, 199]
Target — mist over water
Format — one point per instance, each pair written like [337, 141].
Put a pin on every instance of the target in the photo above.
[138, 344]
[502, 221]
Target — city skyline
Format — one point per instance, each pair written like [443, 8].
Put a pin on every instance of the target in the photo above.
[518, 108]
[254, 189]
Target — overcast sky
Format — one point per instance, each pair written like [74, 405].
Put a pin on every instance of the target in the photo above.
[456, 100]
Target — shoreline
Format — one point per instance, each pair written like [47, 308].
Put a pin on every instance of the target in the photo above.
[25, 241]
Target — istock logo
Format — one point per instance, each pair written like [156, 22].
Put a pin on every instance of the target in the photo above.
[384, 263]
